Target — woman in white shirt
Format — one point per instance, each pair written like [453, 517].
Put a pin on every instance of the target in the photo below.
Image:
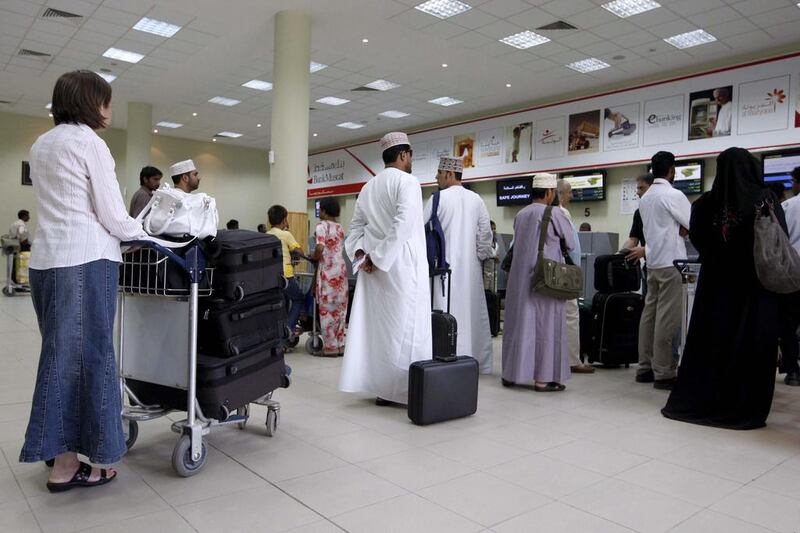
[74, 271]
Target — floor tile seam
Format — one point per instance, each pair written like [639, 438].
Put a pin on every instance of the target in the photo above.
[719, 511]
[135, 517]
[25, 499]
[546, 495]
[562, 501]
[700, 511]
[646, 460]
[751, 485]
[296, 499]
[672, 462]
[445, 508]
[524, 455]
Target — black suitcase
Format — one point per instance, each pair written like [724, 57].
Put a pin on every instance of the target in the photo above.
[246, 262]
[223, 383]
[442, 390]
[615, 328]
[444, 328]
[612, 273]
[493, 304]
[230, 328]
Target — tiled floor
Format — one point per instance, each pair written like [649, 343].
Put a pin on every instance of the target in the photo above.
[598, 458]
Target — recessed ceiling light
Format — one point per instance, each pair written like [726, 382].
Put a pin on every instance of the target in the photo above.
[259, 85]
[382, 85]
[445, 101]
[50, 115]
[365, 41]
[258, 125]
[588, 65]
[108, 77]
[393, 114]
[214, 140]
[628, 8]
[690, 39]
[155, 131]
[350, 125]
[332, 100]
[157, 27]
[221, 100]
[194, 114]
[524, 39]
[444, 65]
[123, 55]
[170, 125]
[314, 134]
[49, 106]
[316, 67]
[229, 134]
[508, 85]
[443, 8]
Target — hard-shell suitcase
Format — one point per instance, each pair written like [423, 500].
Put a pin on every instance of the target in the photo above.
[223, 383]
[442, 390]
[615, 328]
[612, 273]
[230, 328]
[246, 262]
[444, 328]
[492, 298]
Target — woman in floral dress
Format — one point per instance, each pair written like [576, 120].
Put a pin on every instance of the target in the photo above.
[331, 291]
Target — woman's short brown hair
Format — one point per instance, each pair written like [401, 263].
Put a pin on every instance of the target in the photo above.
[78, 97]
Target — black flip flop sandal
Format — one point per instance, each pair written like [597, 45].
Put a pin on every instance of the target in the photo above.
[81, 479]
[550, 387]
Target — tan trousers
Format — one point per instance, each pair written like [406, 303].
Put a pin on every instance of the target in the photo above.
[573, 332]
[661, 321]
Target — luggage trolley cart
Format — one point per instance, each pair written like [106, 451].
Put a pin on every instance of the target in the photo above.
[690, 272]
[11, 249]
[309, 319]
[153, 330]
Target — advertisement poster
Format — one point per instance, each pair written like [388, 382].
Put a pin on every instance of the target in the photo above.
[629, 202]
[490, 147]
[550, 138]
[422, 165]
[663, 122]
[621, 127]
[764, 105]
[797, 110]
[464, 147]
[519, 142]
[584, 133]
[710, 113]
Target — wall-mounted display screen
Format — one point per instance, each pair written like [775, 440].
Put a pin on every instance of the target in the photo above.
[778, 166]
[587, 186]
[514, 191]
[689, 176]
[316, 208]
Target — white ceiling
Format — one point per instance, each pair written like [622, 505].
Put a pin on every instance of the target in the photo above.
[224, 44]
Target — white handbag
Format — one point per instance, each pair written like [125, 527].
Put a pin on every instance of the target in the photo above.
[175, 213]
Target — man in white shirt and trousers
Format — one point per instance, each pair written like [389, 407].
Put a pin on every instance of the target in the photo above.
[390, 321]
[665, 216]
[19, 230]
[790, 312]
[468, 242]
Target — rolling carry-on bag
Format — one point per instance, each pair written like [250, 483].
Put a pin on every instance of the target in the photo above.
[223, 383]
[246, 262]
[445, 387]
[612, 273]
[492, 298]
[615, 328]
[230, 328]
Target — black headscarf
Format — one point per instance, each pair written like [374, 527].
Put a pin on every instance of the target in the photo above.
[738, 187]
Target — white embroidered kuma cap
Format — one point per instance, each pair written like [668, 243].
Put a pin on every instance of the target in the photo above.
[544, 181]
[451, 164]
[393, 139]
[182, 167]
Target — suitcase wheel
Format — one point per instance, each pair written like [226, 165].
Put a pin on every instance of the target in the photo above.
[131, 433]
[182, 461]
[272, 422]
[238, 293]
[314, 345]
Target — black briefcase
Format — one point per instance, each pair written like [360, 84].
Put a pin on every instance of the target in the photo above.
[442, 390]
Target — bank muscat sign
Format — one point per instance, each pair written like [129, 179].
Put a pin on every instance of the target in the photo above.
[754, 106]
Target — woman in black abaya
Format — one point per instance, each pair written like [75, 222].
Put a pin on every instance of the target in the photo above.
[727, 374]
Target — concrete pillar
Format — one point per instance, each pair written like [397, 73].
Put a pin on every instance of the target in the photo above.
[290, 100]
[137, 145]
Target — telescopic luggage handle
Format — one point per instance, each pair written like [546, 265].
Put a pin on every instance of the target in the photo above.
[442, 273]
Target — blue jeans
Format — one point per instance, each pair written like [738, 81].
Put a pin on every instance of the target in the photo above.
[76, 402]
[298, 300]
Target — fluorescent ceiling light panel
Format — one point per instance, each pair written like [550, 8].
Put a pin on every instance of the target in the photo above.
[588, 65]
[382, 85]
[170, 125]
[524, 39]
[445, 101]
[221, 100]
[443, 8]
[690, 39]
[123, 55]
[49, 106]
[628, 8]
[108, 77]
[393, 114]
[332, 100]
[229, 134]
[258, 85]
[350, 125]
[316, 67]
[157, 27]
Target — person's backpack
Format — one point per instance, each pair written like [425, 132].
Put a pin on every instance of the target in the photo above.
[434, 239]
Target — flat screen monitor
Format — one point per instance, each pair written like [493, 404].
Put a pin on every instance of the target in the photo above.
[587, 186]
[689, 176]
[514, 191]
[778, 166]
